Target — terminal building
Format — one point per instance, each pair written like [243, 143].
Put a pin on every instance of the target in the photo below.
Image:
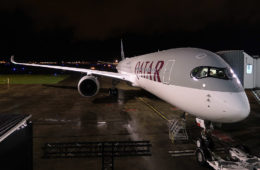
[246, 67]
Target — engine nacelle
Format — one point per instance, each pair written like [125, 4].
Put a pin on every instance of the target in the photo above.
[88, 86]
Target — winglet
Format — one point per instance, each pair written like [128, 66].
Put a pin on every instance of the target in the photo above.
[122, 50]
[12, 59]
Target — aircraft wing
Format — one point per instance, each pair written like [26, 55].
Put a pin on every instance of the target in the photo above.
[82, 70]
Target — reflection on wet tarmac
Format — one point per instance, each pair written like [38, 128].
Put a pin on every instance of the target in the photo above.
[60, 114]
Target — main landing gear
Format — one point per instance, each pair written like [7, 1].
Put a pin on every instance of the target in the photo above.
[113, 91]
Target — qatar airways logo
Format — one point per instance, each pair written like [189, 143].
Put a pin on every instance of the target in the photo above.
[149, 70]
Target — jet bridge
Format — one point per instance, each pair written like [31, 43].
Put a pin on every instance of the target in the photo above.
[246, 67]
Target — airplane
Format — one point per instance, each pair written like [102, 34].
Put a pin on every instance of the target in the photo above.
[195, 80]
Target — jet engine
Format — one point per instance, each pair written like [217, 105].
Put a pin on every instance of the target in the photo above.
[88, 86]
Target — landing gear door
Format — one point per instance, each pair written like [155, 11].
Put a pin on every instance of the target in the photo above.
[168, 71]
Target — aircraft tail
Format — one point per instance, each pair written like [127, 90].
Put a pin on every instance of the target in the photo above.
[122, 51]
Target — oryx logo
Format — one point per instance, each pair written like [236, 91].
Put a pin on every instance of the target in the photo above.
[149, 70]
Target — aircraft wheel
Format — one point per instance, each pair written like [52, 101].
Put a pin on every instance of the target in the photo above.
[113, 92]
[200, 155]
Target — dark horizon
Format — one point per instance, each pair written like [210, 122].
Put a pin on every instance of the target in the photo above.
[74, 35]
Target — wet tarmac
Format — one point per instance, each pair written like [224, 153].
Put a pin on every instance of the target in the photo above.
[60, 114]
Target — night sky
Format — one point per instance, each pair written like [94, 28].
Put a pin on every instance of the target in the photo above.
[92, 29]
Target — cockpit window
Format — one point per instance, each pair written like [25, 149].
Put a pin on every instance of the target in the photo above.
[204, 71]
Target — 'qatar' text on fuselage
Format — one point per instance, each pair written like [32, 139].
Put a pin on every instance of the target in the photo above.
[149, 70]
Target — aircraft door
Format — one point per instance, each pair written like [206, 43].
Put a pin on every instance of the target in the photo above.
[168, 71]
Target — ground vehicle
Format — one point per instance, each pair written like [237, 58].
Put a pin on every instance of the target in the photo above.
[236, 158]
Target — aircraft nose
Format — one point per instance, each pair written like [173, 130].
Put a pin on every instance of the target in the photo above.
[240, 107]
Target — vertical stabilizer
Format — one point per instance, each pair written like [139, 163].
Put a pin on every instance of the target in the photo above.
[122, 51]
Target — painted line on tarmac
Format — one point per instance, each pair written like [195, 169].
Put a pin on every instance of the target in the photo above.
[256, 96]
[154, 109]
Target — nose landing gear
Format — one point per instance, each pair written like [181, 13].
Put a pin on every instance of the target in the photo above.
[204, 143]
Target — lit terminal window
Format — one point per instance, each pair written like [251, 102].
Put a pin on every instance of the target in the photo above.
[249, 69]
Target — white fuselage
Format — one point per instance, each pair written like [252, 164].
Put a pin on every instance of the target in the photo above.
[195, 80]
[166, 74]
